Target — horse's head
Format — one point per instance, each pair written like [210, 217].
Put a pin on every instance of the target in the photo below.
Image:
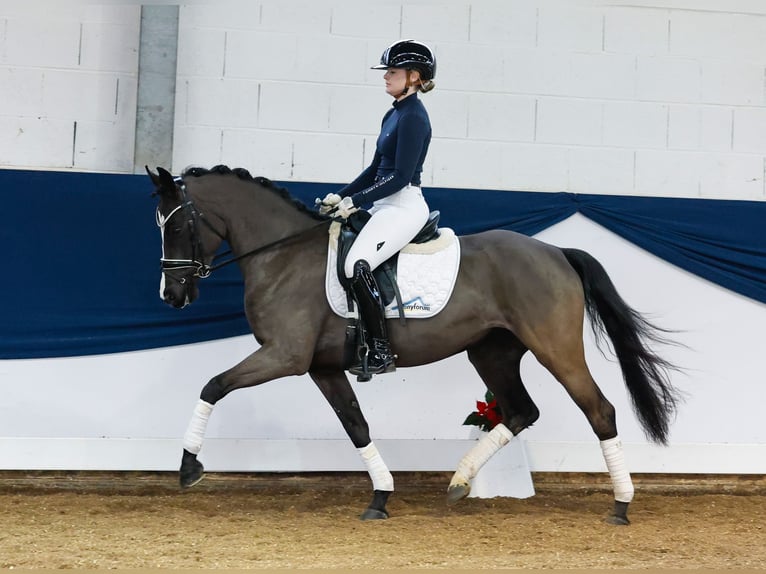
[183, 258]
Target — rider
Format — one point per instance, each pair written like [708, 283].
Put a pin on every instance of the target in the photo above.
[392, 184]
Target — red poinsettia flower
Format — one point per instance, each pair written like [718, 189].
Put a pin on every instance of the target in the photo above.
[486, 415]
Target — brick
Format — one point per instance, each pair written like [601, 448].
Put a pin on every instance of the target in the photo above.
[283, 107]
[448, 112]
[535, 72]
[501, 117]
[262, 152]
[565, 121]
[717, 34]
[21, 91]
[110, 47]
[702, 128]
[669, 173]
[750, 130]
[739, 82]
[643, 31]
[449, 22]
[59, 50]
[259, 55]
[122, 14]
[511, 23]
[296, 17]
[357, 110]
[733, 176]
[321, 157]
[331, 59]
[600, 76]
[668, 79]
[104, 146]
[601, 170]
[218, 102]
[635, 124]
[196, 146]
[534, 167]
[201, 52]
[79, 95]
[459, 69]
[36, 142]
[247, 15]
[366, 20]
[566, 27]
[466, 164]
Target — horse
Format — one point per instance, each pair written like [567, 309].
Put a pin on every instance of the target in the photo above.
[534, 297]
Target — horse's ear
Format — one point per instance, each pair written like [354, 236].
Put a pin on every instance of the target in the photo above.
[166, 179]
[153, 176]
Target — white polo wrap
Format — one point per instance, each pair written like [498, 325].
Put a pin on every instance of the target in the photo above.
[477, 457]
[195, 432]
[379, 473]
[618, 471]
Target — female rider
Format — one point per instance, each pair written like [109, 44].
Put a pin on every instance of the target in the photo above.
[392, 184]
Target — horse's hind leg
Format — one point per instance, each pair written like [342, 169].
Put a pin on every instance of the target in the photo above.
[338, 392]
[572, 372]
[497, 359]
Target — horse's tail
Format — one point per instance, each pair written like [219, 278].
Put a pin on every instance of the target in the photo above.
[646, 374]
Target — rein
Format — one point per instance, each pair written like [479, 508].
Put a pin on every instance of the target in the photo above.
[201, 269]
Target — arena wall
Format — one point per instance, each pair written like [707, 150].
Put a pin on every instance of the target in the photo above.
[663, 98]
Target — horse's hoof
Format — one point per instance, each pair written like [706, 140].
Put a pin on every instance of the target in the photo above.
[373, 514]
[457, 492]
[618, 520]
[191, 471]
[620, 515]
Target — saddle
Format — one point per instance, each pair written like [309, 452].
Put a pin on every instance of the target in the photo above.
[385, 274]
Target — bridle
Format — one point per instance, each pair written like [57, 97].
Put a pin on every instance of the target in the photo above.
[199, 267]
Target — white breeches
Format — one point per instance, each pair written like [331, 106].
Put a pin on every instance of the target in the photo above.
[395, 220]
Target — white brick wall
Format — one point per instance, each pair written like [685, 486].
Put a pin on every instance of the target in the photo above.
[68, 81]
[661, 98]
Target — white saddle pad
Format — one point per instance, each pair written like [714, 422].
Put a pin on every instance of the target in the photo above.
[426, 273]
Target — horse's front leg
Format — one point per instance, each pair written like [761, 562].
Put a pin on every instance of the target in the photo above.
[338, 392]
[265, 364]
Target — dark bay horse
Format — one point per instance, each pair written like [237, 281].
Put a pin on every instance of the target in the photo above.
[513, 294]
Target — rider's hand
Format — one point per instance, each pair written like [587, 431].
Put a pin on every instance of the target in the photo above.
[326, 205]
[346, 207]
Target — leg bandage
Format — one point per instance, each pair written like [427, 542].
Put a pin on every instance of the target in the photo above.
[379, 473]
[195, 432]
[477, 457]
[618, 471]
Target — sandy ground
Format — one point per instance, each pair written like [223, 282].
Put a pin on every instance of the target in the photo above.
[130, 520]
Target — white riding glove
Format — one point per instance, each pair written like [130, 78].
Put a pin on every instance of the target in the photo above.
[346, 207]
[330, 200]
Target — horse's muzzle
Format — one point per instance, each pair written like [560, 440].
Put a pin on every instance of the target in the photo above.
[179, 292]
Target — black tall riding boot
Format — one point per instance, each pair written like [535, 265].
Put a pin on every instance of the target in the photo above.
[379, 357]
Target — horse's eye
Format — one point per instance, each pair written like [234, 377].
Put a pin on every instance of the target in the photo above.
[177, 230]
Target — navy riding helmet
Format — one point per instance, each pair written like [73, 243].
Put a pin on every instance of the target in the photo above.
[409, 54]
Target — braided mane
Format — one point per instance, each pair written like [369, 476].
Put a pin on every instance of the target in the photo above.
[245, 175]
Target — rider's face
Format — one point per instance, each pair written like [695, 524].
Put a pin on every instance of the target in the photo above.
[396, 80]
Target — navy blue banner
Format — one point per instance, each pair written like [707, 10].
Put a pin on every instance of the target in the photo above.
[82, 252]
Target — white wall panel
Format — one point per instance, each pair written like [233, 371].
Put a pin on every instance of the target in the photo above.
[60, 45]
[535, 167]
[379, 20]
[635, 124]
[636, 31]
[36, 142]
[570, 121]
[607, 171]
[750, 130]
[501, 117]
[110, 47]
[700, 127]
[512, 23]
[668, 79]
